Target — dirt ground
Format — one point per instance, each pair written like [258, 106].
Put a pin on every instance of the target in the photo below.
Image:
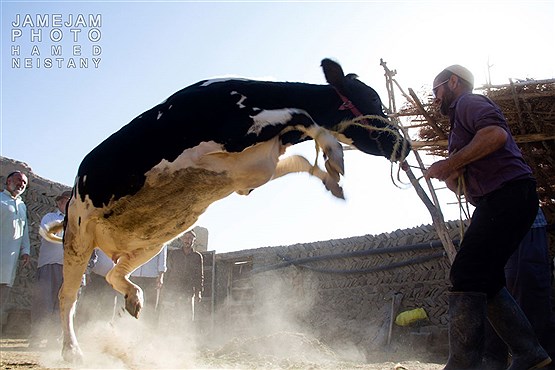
[271, 341]
[279, 351]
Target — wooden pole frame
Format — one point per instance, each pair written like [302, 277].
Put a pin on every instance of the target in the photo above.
[433, 206]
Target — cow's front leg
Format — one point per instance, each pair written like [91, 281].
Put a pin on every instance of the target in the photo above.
[118, 278]
[297, 163]
[333, 151]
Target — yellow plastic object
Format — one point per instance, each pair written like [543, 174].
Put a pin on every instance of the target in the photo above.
[408, 317]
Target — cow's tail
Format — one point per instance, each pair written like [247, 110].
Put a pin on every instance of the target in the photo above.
[52, 230]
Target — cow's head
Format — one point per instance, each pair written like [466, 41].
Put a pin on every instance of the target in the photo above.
[375, 135]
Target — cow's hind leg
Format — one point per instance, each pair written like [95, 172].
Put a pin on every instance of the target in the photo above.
[75, 263]
[118, 277]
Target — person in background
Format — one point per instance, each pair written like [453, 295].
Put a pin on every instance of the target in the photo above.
[45, 310]
[528, 274]
[14, 235]
[484, 157]
[150, 277]
[185, 277]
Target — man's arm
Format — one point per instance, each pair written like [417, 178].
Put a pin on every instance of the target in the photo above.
[160, 280]
[199, 276]
[486, 141]
[26, 244]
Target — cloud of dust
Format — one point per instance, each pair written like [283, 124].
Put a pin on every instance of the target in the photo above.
[267, 326]
[110, 338]
[277, 324]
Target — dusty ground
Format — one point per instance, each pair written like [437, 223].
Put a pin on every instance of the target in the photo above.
[276, 343]
[278, 351]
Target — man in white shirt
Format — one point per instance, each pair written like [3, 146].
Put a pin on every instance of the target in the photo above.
[14, 235]
[45, 312]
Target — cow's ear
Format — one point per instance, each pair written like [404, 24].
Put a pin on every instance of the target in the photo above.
[334, 74]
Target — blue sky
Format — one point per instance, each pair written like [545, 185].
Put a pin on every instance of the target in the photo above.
[52, 117]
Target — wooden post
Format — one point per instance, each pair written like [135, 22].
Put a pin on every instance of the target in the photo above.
[437, 217]
[433, 207]
[395, 304]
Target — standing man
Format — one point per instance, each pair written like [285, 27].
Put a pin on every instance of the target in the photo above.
[150, 277]
[485, 158]
[14, 236]
[185, 277]
[528, 274]
[45, 310]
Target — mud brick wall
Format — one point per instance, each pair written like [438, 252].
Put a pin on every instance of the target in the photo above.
[342, 290]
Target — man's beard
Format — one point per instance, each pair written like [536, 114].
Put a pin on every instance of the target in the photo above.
[17, 190]
[448, 98]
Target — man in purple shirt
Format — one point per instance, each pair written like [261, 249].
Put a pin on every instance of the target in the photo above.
[484, 157]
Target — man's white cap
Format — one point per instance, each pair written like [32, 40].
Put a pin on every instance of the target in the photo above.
[462, 72]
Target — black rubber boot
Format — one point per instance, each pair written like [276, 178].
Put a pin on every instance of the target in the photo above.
[513, 327]
[493, 363]
[467, 317]
[496, 354]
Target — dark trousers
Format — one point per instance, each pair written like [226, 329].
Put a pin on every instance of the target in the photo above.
[4, 295]
[528, 274]
[500, 221]
[45, 309]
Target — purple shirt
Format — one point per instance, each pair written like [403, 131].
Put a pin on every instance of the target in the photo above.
[468, 114]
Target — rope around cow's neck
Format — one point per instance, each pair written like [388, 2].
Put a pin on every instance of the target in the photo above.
[362, 121]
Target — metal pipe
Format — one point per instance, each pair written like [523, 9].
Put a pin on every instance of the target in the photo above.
[368, 252]
[389, 266]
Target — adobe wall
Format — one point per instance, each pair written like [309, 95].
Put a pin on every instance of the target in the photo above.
[342, 290]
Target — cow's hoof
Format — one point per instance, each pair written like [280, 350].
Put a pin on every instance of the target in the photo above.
[133, 306]
[72, 354]
[334, 164]
[334, 188]
[332, 172]
[337, 191]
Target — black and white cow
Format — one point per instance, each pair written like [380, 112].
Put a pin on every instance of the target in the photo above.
[151, 180]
